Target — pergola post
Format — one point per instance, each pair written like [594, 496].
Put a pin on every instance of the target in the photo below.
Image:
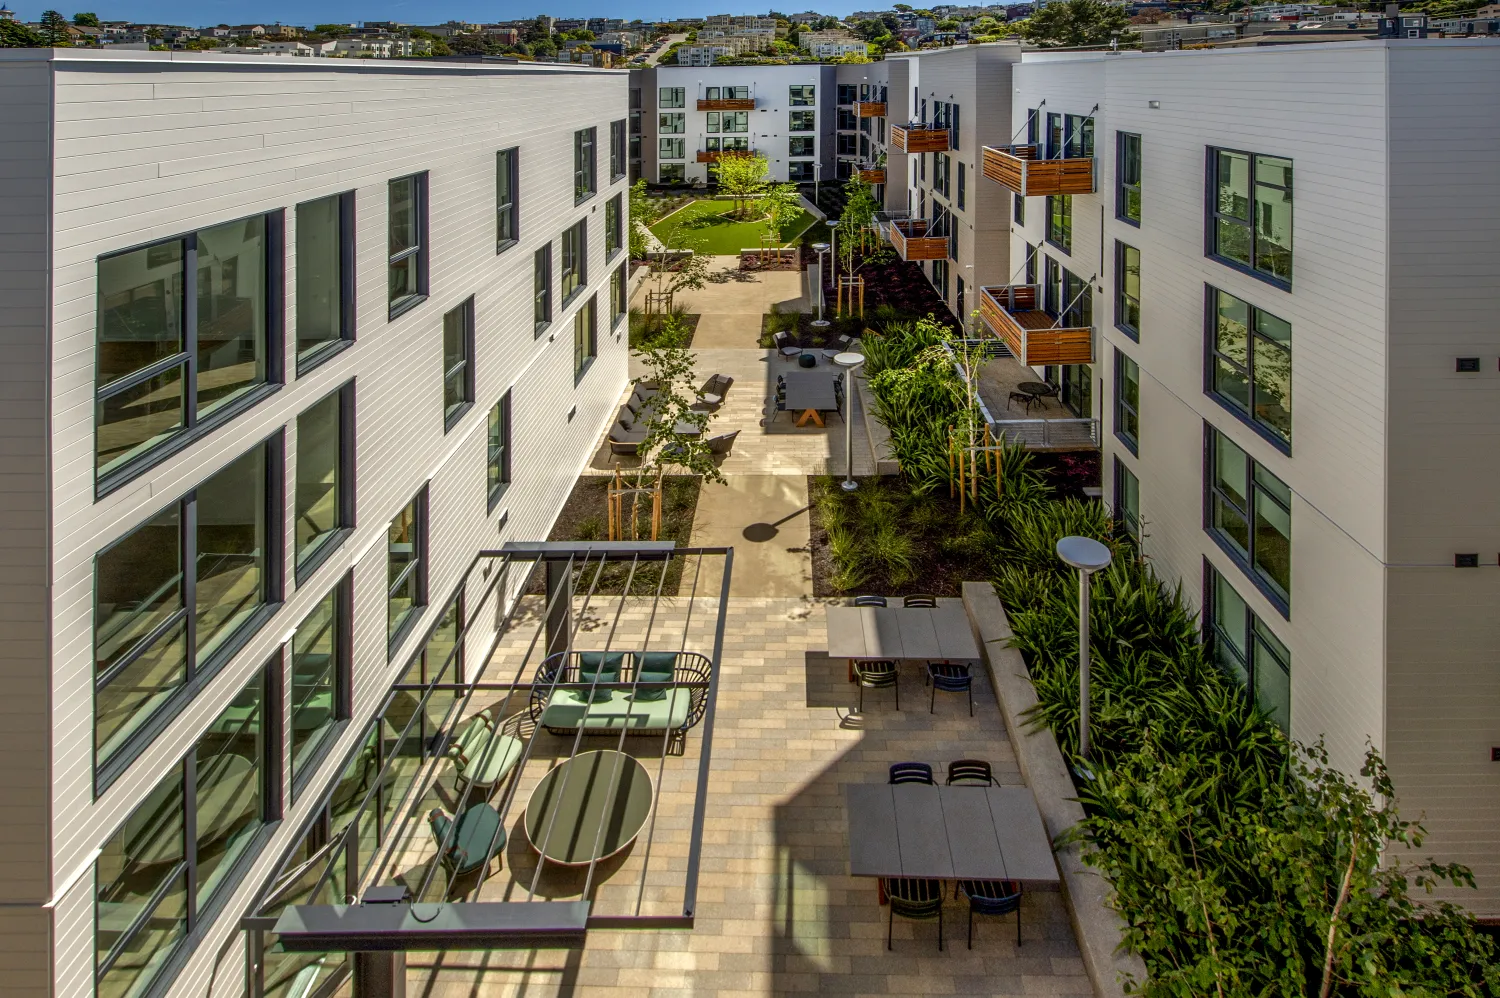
[559, 606]
[379, 975]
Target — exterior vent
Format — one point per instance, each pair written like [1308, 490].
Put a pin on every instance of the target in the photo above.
[1466, 561]
[1468, 365]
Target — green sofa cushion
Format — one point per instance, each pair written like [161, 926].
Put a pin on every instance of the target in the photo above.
[654, 667]
[469, 844]
[598, 666]
[562, 711]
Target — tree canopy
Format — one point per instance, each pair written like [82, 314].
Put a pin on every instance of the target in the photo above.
[55, 29]
[1077, 22]
[87, 19]
[15, 35]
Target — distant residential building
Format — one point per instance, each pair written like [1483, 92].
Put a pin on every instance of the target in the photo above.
[831, 44]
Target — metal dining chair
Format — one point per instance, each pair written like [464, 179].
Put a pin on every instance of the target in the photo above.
[920, 600]
[970, 772]
[869, 601]
[876, 674]
[989, 897]
[911, 772]
[912, 898]
[950, 679]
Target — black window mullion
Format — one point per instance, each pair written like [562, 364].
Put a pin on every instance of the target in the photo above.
[190, 835]
[147, 912]
[347, 311]
[190, 330]
[136, 378]
[189, 567]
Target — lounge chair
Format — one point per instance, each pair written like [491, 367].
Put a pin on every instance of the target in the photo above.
[624, 440]
[713, 393]
[722, 443]
[642, 693]
[469, 844]
[482, 755]
[840, 345]
[786, 345]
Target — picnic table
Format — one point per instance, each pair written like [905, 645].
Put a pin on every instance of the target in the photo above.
[947, 833]
[812, 392]
[926, 634]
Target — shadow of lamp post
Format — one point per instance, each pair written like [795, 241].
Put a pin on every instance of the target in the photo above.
[1088, 556]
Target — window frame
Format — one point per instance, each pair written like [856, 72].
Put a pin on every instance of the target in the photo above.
[319, 552]
[617, 149]
[678, 98]
[397, 633]
[1123, 408]
[1018, 210]
[199, 915]
[306, 361]
[420, 252]
[507, 165]
[497, 473]
[1062, 237]
[342, 595]
[619, 297]
[1123, 299]
[802, 95]
[1123, 186]
[194, 427]
[1212, 217]
[585, 338]
[1252, 489]
[197, 674]
[579, 256]
[1212, 356]
[1216, 643]
[541, 289]
[585, 164]
[464, 367]
[614, 231]
[963, 177]
[1129, 518]
[801, 121]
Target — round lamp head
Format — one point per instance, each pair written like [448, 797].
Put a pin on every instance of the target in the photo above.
[849, 359]
[820, 247]
[1083, 553]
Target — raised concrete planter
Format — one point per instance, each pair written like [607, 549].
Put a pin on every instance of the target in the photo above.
[1097, 926]
[884, 461]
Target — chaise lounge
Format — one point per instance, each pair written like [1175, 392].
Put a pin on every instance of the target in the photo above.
[641, 693]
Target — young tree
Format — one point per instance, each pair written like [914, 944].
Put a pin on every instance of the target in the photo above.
[675, 435]
[743, 179]
[782, 206]
[642, 214]
[1078, 22]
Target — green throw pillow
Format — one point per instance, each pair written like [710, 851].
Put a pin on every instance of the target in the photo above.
[654, 667]
[601, 667]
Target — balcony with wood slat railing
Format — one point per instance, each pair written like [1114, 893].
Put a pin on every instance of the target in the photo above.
[869, 108]
[714, 155]
[873, 176]
[1014, 314]
[917, 137]
[915, 239]
[727, 104]
[1018, 169]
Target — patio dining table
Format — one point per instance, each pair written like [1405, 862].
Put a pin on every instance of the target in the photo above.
[924, 634]
[810, 392]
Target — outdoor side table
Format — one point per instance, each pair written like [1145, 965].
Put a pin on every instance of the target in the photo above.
[588, 807]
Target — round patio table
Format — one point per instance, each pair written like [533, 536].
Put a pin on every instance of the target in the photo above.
[1034, 388]
[588, 807]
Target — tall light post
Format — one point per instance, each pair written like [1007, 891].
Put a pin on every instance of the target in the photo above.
[817, 179]
[833, 241]
[1088, 556]
[820, 249]
[849, 361]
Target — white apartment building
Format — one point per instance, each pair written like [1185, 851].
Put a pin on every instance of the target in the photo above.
[831, 44]
[233, 292]
[691, 116]
[1296, 366]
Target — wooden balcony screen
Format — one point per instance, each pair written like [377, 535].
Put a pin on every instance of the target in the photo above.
[1016, 168]
[870, 109]
[910, 240]
[918, 138]
[872, 176]
[706, 156]
[727, 104]
[1012, 313]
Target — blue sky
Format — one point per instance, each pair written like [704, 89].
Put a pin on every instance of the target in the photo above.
[202, 12]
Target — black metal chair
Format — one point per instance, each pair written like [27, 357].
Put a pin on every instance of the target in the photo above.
[950, 679]
[971, 773]
[912, 772]
[786, 345]
[920, 600]
[876, 674]
[869, 601]
[990, 897]
[917, 899]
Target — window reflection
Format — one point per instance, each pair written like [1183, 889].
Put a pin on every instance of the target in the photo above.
[230, 549]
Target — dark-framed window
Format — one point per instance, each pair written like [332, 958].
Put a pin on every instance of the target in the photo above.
[800, 171]
[1249, 365]
[963, 185]
[805, 145]
[1032, 252]
[671, 173]
[497, 451]
[672, 124]
[671, 97]
[1127, 501]
[187, 335]
[1018, 207]
[585, 167]
[176, 597]
[323, 505]
[613, 229]
[1250, 213]
[406, 560]
[585, 338]
[1128, 290]
[847, 93]
[1128, 177]
[1248, 511]
[163, 877]
[802, 121]
[507, 195]
[802, 95]
[574, 246]
[669, 148]
[406, 227]
[321, 673]
[619, 295]
[1127, 401]
[325, 278]
[1241, 644]
[458, 363]
[847, 122]
[1060, 221]
[617, 135]
[1067, 296]
[541, 289]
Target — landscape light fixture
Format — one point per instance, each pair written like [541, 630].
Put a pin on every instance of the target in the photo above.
[1088, 556]
[849, 361]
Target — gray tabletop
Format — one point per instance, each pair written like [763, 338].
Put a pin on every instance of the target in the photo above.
[810, 390]
[947, 833]
[921, 633]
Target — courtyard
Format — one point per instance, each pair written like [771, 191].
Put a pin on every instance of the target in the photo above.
[719, 226]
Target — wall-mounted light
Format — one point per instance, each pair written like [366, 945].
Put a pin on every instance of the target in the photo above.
[572, 412]
[1154, 105]
[500, 523]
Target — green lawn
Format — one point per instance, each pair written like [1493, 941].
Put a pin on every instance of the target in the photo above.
[708, 226]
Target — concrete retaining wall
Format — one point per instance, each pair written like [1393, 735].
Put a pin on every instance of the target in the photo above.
[875, 432]
[1098, 927]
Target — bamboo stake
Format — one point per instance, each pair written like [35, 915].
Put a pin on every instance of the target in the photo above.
[962, 490]
[656, 508]
[950, 462]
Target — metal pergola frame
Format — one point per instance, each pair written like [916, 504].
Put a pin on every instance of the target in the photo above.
[364, 923]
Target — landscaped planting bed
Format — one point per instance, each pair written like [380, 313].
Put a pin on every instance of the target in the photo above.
[584, 517]
[720, 227]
